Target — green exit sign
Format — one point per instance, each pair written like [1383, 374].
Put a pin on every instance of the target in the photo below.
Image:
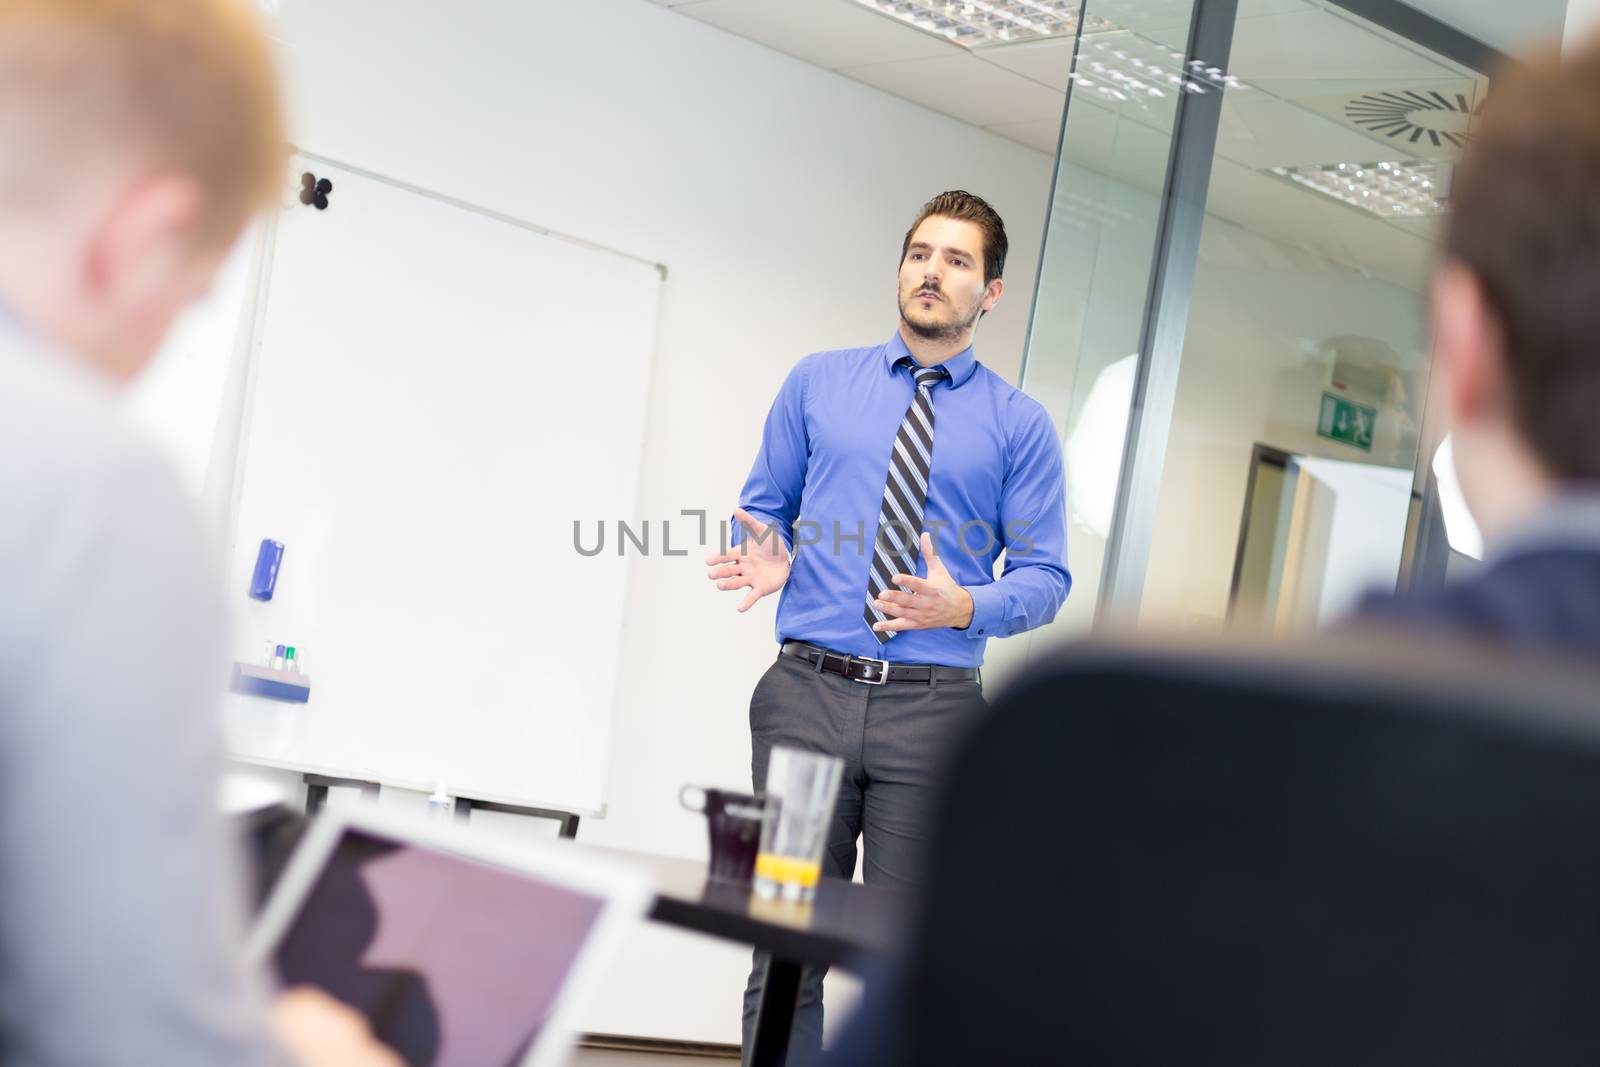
[1345, 420]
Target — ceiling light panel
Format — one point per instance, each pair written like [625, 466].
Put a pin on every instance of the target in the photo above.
[1403, 189]
[973, 23]
[1127, 68]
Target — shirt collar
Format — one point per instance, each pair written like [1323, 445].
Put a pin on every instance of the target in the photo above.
[959, 367]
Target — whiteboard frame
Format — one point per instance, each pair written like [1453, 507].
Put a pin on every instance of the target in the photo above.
[257, 308]
[478, 209]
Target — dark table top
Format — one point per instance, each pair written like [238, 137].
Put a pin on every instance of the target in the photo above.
[847, 923]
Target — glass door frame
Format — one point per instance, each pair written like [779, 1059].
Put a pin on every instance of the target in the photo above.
[1181, 217]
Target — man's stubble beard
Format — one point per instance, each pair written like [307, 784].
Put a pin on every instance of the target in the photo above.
[939, 331]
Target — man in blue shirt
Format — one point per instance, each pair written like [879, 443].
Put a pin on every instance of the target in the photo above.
[888, 482]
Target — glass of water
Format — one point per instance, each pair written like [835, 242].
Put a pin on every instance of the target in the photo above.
[801, 790]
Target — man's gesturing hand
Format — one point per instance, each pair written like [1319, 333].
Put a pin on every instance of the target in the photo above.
[759, 561]
[928, 603]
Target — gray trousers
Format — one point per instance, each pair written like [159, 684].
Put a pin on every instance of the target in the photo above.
[893, 739]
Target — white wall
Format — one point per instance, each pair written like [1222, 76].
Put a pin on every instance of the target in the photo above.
[1583, 21]
[777, 195]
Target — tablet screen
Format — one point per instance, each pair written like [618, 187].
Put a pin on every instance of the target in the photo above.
[455, 963]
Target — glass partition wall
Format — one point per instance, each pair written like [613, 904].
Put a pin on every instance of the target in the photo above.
[1247, 206]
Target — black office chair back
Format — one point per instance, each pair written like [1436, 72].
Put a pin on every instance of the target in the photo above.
[1206, 859]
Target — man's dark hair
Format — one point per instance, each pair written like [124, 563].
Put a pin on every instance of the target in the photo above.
[959, 204]
[1525, 219]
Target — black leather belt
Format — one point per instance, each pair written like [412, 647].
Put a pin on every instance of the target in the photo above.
[876, 671]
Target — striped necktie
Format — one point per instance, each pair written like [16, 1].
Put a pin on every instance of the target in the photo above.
[905, 493]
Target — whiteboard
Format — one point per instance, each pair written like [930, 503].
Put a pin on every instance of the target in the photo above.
[177, 402]
[438, 396]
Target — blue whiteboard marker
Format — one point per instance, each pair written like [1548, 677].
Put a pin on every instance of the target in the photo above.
[267, 562]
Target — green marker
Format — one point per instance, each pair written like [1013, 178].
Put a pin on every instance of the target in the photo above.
[289, 663]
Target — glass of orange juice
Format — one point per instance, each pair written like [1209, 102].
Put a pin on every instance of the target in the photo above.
[801, 790]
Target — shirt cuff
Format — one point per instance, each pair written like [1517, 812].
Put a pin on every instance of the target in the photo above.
[736, 531]
[988, 607]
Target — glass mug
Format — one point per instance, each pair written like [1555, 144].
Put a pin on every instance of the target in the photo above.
[801, 790]
[734, 823]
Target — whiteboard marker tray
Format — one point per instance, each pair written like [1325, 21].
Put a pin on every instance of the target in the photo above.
[274, 684]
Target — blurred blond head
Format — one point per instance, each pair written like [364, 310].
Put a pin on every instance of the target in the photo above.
[137, 137]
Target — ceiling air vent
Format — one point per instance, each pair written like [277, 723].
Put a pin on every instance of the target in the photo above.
[1427, 121]
[1407, 116]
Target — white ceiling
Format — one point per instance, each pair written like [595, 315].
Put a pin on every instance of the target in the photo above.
[1009, 88]
[845, 36]
[1292, 55]
[1508, 25]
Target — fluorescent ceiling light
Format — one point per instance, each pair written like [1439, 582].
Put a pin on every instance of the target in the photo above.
[1389, 189]
[972, 23]
[1127, 68]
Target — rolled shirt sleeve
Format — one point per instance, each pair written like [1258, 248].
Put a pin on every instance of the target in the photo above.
[1033, 528]
[778, 477]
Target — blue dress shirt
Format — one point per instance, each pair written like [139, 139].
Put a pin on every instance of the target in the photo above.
[996, 483]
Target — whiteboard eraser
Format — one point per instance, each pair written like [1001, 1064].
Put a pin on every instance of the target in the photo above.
[268, 559]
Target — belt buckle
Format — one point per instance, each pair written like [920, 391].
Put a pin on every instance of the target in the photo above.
[883, 670]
